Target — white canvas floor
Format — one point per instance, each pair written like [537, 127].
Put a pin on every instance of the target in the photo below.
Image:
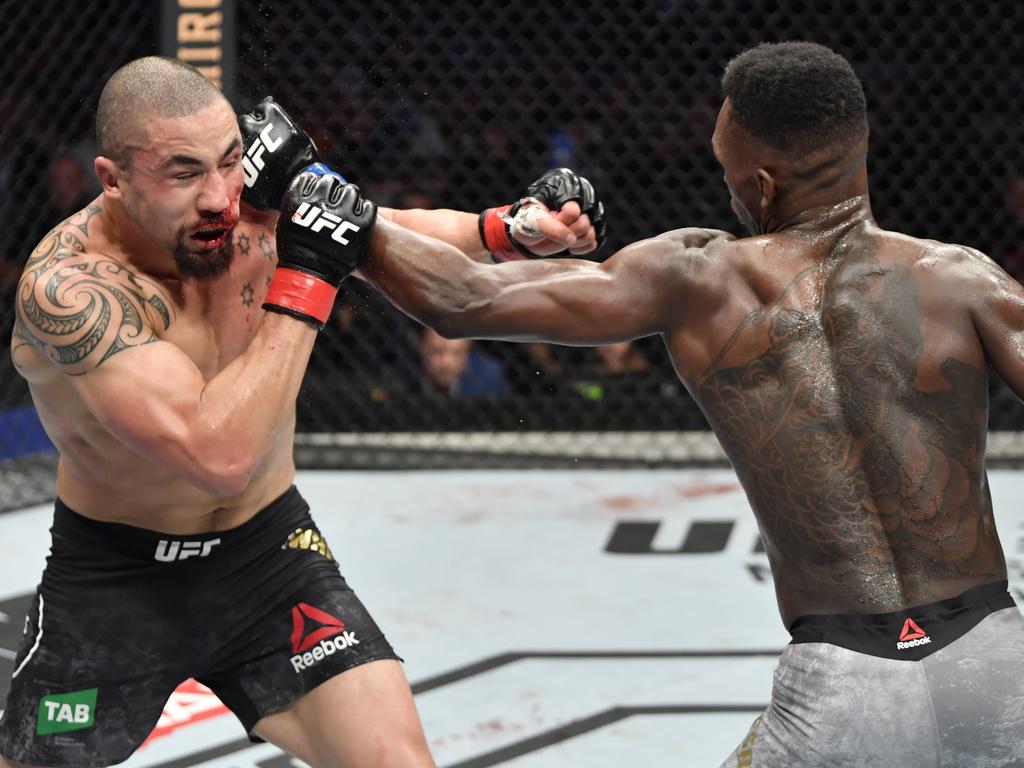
[528, 643]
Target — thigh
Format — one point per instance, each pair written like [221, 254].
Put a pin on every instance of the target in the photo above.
[280, 623]
[364, 717]
[90, 678]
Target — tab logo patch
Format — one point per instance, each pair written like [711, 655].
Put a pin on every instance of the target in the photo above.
[62, 712]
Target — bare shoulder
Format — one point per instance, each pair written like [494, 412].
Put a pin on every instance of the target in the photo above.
[959, 268]
[77, 307]
[696, 241]
[687, 247]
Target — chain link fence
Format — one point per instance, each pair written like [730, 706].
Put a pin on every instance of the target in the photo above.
[460, 104]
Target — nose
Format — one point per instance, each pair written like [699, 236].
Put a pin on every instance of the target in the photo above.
[213, 197]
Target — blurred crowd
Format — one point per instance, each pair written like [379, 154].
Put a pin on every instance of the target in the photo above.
[461, 113]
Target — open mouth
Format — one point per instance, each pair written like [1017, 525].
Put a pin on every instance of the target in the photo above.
[210, 238]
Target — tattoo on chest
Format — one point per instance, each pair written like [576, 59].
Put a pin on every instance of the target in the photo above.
[266, 246]
[850, 465]
[76, 308]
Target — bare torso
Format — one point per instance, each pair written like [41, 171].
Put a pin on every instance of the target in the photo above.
[847, 385]
[211, 322]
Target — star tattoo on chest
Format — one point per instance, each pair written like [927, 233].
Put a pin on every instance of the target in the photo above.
[247, 294]
[265, 246]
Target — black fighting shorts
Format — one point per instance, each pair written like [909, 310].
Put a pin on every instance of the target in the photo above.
[259, 613]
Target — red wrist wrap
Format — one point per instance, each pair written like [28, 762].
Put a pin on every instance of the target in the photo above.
[302, 293]
[494, 233]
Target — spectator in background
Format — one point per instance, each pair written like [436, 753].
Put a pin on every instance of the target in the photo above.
[617, 359]
[71, 187]
[454, 368]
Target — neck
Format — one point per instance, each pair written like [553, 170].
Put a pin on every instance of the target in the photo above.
[822, 201]
[836, 215]
[136, 247]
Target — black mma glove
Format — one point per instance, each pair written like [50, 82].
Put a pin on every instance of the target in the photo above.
[322, 234]
[276, 149]
[498, 226]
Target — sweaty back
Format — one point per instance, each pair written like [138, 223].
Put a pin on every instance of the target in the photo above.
[851, 399]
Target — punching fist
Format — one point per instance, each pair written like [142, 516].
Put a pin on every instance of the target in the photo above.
[322, 234]
[276, 149]
[537, 225]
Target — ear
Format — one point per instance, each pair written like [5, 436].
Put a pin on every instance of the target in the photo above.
[766, 183]
[108, 172]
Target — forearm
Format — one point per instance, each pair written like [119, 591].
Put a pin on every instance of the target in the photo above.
[441, 287]
[457, 228]
[242, 408]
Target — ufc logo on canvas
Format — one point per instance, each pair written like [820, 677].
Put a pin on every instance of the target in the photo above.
[169, 551]
[252, 162]
[311, 217]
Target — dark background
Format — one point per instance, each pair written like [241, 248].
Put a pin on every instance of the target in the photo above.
[460, 104]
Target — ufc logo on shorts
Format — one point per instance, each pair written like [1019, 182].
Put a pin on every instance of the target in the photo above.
[169, 551]
[311, 217]
[252, 161]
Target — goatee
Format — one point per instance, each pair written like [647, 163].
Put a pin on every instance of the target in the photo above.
[204, 266]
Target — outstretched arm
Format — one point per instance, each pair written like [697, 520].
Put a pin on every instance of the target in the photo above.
[634, 293]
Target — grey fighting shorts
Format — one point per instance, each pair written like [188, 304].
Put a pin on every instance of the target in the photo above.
[935, 686]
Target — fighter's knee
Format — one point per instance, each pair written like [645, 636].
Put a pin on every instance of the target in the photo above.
[408, 751]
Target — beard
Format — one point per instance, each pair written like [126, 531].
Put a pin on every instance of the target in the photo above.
[206, 265]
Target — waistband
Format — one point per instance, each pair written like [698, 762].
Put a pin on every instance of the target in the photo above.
[74, 531]
[910, 634]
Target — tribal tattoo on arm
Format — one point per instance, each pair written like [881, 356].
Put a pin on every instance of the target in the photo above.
[79, 309]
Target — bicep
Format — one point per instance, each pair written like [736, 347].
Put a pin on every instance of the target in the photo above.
[997, 313]
[148, 398]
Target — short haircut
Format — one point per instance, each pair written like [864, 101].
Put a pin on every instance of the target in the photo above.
[796, 96]
[152, 86]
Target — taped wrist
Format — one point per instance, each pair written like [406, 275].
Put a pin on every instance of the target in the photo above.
[494, 234]
[300, 294]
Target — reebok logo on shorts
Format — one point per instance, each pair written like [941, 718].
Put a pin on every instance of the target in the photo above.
[62, 712]
[912, 636]
[316, 635]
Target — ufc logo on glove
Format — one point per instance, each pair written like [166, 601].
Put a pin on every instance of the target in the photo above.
[314, 219]
[252, 162]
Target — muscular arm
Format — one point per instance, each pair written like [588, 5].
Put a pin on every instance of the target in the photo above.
[634, 293]
[94, 320]
[456, 228]
[996, 303]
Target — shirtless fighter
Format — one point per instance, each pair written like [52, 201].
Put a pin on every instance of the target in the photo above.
[843, 369]
[180, 546]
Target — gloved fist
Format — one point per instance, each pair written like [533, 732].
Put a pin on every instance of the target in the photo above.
[323, 232]
[276, 149]
[525, 229]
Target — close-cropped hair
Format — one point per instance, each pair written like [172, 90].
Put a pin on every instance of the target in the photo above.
[796, 96]
[153, 86]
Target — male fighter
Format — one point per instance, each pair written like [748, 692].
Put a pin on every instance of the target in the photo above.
[843, 369]
[180, 546]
